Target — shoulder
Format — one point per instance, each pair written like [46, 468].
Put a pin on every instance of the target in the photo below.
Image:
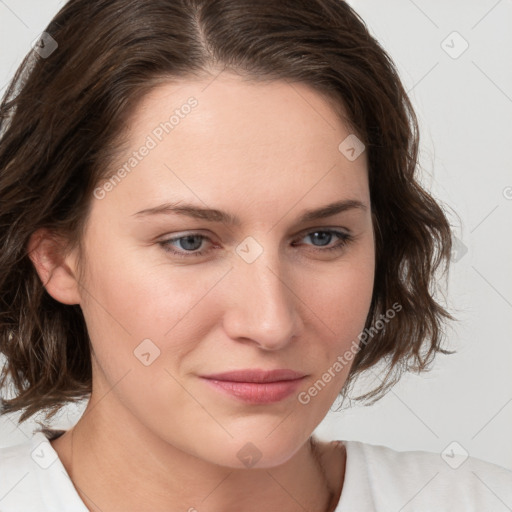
[33, 479]
[420, 480]
[18, 480]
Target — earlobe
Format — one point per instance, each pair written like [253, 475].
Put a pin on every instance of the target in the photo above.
[57, 272]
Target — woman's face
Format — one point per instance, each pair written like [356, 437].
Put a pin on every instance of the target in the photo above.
[269, 291]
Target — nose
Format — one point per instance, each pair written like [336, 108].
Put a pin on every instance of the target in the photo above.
[264, 307]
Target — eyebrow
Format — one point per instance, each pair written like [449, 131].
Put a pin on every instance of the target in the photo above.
[214, 215]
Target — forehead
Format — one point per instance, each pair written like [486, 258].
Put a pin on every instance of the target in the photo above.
[258, 142]
[245, 110]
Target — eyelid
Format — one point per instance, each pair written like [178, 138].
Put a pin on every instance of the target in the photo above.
[307, 231]
[344, 238]
[300, 234]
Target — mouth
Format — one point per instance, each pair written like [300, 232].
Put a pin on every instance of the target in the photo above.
[255, 386]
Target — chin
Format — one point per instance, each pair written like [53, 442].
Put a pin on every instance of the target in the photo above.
[251, 451]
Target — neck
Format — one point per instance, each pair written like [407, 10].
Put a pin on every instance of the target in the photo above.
[103, 461]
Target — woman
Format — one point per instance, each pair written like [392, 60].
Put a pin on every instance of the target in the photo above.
[211, 226]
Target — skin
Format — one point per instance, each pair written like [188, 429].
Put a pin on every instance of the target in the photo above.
[158, 437]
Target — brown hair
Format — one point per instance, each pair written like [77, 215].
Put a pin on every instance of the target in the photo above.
[62, 117]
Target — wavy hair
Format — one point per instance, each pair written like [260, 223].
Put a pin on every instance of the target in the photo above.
[61, 124]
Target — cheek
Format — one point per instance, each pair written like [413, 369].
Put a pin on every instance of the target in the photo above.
[140, 313]
[340, 308]
[141, 294]
[341, 318]
[134, 297]
[142, 322]
[342, 297]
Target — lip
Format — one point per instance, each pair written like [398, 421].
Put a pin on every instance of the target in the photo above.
[255, 386]
[256, 375]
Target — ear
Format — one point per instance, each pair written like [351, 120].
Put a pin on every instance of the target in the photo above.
[58, 273]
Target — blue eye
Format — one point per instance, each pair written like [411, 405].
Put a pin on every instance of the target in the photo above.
[192, 242]
[343, 238]
[186, 242]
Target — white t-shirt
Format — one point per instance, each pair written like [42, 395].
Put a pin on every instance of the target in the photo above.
[377, 478]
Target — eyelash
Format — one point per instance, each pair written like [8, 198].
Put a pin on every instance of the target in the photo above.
[344, 238]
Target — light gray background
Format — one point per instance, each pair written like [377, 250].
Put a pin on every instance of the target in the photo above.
[464, 104]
